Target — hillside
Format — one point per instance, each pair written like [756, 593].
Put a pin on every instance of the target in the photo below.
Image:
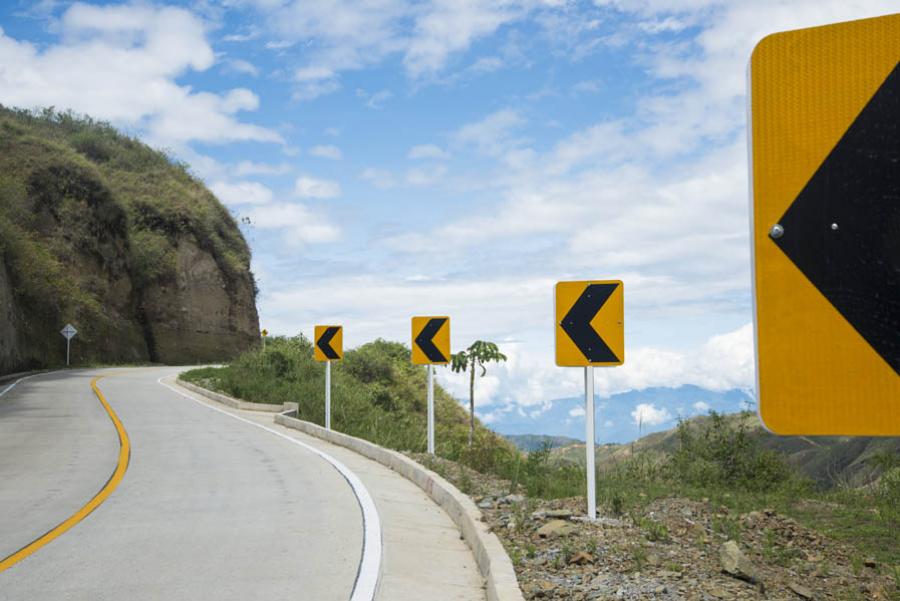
[377, 394]
[99, 230]
[827, 460]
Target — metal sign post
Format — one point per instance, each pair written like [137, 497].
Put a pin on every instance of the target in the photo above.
[328, 395]
[69, 333]
[430, 369]
[589, 442]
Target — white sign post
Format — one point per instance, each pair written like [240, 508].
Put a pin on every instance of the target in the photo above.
[430, 369]
[69, 333]
[328, 395]
[589, 441]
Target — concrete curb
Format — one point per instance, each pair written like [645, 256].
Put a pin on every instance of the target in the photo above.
[493, 562]
[22, 374]
[229, 401]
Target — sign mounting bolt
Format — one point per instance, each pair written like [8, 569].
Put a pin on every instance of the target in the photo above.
[834, 227]
[776, 231]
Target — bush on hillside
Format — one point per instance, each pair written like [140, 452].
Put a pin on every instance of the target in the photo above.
[887, 497]
[715, 453]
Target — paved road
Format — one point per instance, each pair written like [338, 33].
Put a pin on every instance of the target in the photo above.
[210, 507]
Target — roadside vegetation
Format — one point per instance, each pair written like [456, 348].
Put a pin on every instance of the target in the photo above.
[378, 395]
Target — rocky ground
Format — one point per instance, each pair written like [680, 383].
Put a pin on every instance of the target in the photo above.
[671, 548]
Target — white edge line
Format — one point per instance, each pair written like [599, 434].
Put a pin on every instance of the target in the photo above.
[13, 385]
[366, 584]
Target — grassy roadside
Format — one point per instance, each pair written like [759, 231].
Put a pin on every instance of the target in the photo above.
[377, 394]
[717, 463]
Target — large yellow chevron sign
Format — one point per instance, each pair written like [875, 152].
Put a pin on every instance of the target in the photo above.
[825, 113]
[590, 323]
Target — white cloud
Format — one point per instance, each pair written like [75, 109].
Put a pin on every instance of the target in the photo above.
[311, 187]
[701, 407]
[668, 24]
[251, 168]
[577, 412]
[241, 193]
[425, 177]
[490, 417]
[451, 26]
[121, 63]
[380, 178]
[647, 414]
[485, 388]
[495, 136]
[376, 100]
[279, 44]
[723, 362]
[427, 151]
[251, 34]
[238, 65]
[326, 151]
[587, 86]
[298, 224]
[343, 36]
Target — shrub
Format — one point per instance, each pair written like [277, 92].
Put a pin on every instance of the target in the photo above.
[97, 145]
[714, 452]
[887, 497]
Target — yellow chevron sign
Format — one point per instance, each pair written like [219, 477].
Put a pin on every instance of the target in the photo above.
[430, 340]
[825, 119]
[590, 323]
[329, 344]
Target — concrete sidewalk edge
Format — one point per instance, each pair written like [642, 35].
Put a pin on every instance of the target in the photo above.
[493, 562]
[229, 401]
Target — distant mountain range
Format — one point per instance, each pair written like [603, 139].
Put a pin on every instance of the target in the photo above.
[534, 442]
[621, 418]
[827, 460]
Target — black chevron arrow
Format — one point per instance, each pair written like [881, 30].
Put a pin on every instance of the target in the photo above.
[843, 229]
[425, 342]
[577, 323]
[324, 342]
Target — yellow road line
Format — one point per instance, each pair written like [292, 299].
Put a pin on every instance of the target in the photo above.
[108, 488]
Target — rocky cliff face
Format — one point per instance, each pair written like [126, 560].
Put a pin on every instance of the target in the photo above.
[201, 315]
[101, 231]
[9, 316]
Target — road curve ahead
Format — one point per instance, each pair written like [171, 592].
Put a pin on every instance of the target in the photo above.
[210, 507]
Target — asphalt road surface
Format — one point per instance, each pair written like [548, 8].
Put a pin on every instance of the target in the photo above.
[208, 504]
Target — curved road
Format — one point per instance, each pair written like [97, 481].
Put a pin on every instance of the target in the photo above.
[210, 507]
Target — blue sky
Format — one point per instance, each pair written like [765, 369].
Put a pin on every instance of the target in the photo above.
[452, 157]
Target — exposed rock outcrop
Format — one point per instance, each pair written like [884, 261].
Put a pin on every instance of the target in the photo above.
[201, 316]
